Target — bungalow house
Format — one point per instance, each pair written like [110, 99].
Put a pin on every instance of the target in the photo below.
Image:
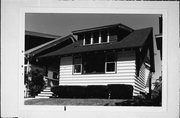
[111, 54]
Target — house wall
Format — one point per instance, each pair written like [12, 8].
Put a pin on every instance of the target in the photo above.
[141, 80]
[125, 73]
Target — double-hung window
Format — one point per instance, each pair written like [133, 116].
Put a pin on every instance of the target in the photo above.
[77, 61]
[110, 65]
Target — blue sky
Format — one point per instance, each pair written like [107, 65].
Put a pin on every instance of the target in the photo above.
[62, 24]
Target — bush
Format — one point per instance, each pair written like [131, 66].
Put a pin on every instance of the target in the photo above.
[37, 83]
[97, 91]
[69, 91]
[156, 95]
[56, 91]
[120, 91]
[116, 91]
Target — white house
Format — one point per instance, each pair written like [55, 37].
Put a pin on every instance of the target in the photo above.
[111, 54]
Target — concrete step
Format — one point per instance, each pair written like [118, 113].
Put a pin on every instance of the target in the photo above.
[46, 92]
[48, 88]
[42, 97]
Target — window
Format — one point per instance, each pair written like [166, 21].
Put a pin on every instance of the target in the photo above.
[104, 36]
[94, 63]
[96, 37]
[77, 64]
[110, 63]
[55, 75]
[88, 38]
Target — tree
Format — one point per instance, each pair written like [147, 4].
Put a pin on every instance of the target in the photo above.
[36, 83]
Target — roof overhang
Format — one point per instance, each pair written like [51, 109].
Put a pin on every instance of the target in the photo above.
[103, 28]
[135, 39]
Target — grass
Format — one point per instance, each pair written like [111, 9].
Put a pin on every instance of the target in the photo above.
[63, 101]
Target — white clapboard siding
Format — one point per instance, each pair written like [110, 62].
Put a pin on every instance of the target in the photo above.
[125, 73]
[140, 80]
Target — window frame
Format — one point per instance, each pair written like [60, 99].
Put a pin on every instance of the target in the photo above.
[75, 73]
[115, 63]
[73, 69]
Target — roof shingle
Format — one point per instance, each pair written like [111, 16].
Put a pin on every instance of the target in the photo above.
[135, 39]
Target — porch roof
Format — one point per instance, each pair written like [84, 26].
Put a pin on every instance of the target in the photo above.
[135, 39]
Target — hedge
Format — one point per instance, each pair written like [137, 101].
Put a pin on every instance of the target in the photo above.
[120, 91]
[113, 91]
[97, 91]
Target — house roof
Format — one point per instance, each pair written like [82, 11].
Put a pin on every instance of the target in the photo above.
[135, 39]
[38, 34]
[103, 27]
[40, 48]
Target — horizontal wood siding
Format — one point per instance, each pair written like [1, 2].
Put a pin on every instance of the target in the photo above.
[140, 81]
[125, 73]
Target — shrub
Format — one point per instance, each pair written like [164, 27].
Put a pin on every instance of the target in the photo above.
[37, 83]
[76, 91]
[156, 95]
[69, 91]
[97, 91]
[120, 91]
[56, 91]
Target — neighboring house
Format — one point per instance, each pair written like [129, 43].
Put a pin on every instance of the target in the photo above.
[33, 39]
[159, 36]
[112, 54]
[50, 65]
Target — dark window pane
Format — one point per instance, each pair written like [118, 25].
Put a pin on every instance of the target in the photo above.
[104, 36]
[94, 63]
[77, 68]
[77, 60]
[110, 67]
[88, 38]
[96, 37]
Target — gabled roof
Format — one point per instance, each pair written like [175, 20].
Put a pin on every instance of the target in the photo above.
[103, 27]
[135, 39]
[40, 48]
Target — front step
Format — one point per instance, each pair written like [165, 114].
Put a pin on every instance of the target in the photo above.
[46, 93]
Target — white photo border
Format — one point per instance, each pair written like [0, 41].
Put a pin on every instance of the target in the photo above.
[121, 110]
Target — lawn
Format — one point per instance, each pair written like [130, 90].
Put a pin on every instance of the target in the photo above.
[63, 101]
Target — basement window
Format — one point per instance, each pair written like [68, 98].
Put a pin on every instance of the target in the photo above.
[77, 60]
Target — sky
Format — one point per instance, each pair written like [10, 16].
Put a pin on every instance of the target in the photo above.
[63, 24]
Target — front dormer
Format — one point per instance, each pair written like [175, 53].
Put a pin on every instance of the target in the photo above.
[103, 34]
